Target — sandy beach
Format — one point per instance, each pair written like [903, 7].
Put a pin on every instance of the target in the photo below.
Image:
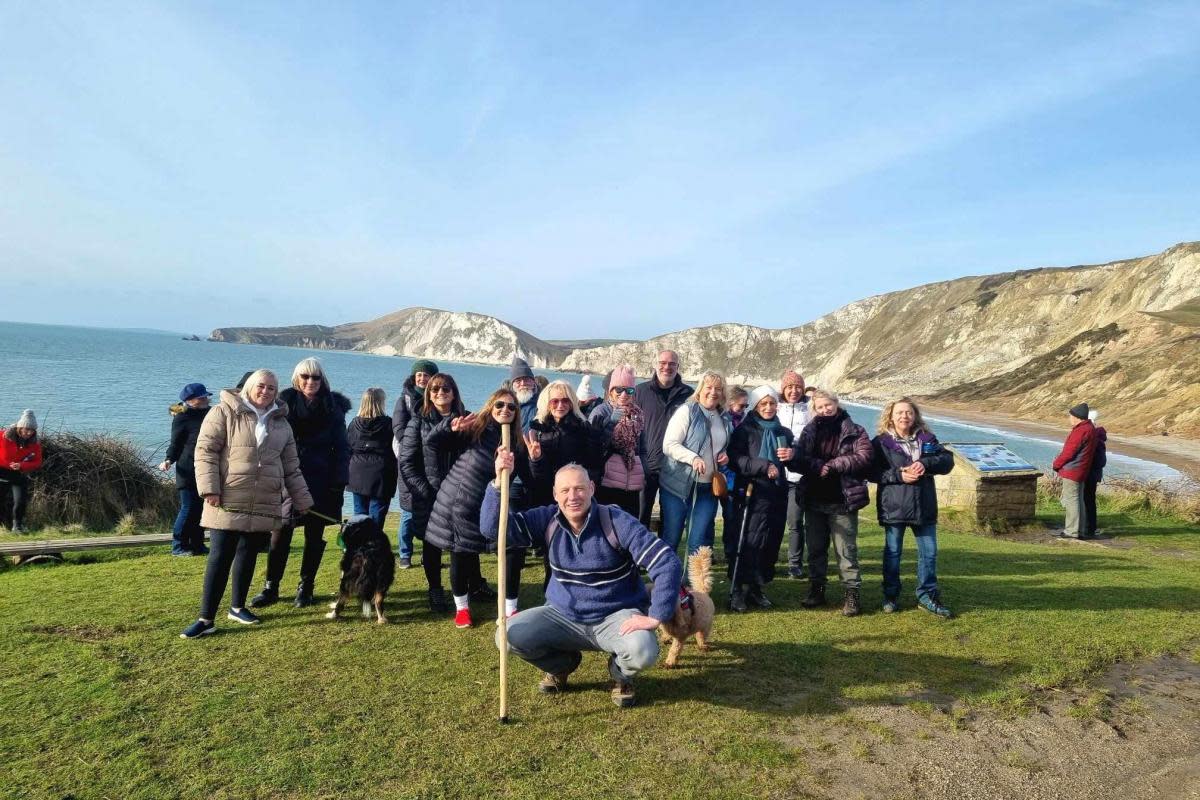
[1180, 454]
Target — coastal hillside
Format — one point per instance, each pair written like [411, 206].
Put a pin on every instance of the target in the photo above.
[1124, 335]
[413, 332]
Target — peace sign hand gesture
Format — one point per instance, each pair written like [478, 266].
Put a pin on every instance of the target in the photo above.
[533, 445]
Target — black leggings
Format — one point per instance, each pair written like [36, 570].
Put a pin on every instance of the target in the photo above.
[20, 497]
[229, 549]
[431, 562]
[465, 576]
[281, 544]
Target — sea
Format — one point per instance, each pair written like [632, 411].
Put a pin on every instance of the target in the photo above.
[122, 383]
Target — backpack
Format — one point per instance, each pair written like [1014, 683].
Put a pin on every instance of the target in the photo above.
[606, 524]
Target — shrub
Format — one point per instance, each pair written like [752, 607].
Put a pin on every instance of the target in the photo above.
[97, 481]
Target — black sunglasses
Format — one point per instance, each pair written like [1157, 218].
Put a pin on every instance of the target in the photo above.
[500, 405]
[629, 390]
[306, 377]
[440, 390]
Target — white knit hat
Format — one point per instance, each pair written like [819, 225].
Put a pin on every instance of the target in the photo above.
[761, 392]
[27, 420]
[585, 392]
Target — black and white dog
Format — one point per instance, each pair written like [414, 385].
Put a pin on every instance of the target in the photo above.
[368, 567]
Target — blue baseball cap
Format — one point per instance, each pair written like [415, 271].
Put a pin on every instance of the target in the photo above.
[193, 390]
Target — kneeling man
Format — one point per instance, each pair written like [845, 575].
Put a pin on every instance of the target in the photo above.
[596, 599]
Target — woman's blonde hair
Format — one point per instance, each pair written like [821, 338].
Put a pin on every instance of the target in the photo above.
[543, 403]
[310, 366]
[885, 418]
[828, 395]
[715, 378]
[254, 379]
[372, 404]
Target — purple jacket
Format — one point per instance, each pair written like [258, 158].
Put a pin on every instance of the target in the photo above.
[852, 462]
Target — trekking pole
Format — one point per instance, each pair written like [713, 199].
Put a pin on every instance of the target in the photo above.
[737, 559]
[501, 579]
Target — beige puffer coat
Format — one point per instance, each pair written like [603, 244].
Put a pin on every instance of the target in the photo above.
[249, 478]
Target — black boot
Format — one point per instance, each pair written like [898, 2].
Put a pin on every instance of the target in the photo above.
[850, 606]
[438, 602]
[308, 572]
[755, 597]
[737, 600]
[483, 592]
[815, 597]
[268, 596]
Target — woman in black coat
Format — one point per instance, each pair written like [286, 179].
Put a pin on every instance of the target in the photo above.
[759, 449]
[372, 461]
[408, 405]
[317, 415]
[186, 418]
[454, 522]
[907, 456]
[421, 475]
[558, 435]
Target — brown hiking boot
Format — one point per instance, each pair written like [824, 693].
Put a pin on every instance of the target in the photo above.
[553, 682]
[850, 606]
[622, 694]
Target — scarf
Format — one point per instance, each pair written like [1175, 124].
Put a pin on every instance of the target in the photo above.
[626, 432]
[769, 443]
[829, 435]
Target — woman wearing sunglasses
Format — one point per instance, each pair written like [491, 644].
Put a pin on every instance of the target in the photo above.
[621, 423]
[558, 435]
[422, 470]
[454, 522]
[317, 415]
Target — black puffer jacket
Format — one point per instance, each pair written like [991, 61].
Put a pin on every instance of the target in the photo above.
[571, 441]
[320, 432]
[372, 462]
[767, 505]
[900, 503]
[408, 405]
[454, 522]
[185, 427]
[658, 404]
[422, 467]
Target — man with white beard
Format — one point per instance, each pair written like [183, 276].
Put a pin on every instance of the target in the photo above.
[524, 386]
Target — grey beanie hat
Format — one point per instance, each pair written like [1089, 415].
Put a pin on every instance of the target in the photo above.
[519, 369]
[1080, 411]
[27, 420]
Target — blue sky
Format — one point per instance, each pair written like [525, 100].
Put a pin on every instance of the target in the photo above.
[579, 170]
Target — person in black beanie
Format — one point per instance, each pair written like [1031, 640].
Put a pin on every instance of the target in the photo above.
[525, 386]
[317, 415]
[186, 418]
[408, 405]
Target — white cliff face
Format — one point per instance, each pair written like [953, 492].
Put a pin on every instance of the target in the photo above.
[1127, 332]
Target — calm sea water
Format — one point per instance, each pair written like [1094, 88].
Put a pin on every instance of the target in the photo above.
[122, 382]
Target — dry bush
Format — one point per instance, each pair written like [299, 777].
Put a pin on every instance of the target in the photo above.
[1154, 497]
[100, 482]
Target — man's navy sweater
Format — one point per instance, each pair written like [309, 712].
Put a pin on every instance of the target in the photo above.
[589, 580]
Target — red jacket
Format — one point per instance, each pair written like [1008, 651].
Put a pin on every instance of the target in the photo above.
[28, 457]
[1075, 461]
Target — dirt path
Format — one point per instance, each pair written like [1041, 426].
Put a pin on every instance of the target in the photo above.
[1134, 734]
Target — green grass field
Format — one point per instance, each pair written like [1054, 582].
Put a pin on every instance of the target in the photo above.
[99, 698]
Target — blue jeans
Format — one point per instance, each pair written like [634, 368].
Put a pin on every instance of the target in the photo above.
[374, 507]
[893, 542]
[404, 537]
[188, 535]
[675, 514]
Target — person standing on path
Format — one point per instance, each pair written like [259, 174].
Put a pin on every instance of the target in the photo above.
[246, 462]
[907, 456]
[1096, 475]
[408, 405]
[835, 456]
[187, 416]
[20, 455]
[658, 398]
[317, 415]
[1073, 464]
[794, 414]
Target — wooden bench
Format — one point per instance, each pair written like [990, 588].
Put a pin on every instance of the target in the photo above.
[52, 549]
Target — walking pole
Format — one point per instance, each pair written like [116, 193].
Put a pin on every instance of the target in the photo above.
[501, 579]
[737, 559]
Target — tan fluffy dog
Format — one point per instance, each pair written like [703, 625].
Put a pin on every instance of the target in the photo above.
[695, 617]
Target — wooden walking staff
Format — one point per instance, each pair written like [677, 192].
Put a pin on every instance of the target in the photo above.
[502, 569]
